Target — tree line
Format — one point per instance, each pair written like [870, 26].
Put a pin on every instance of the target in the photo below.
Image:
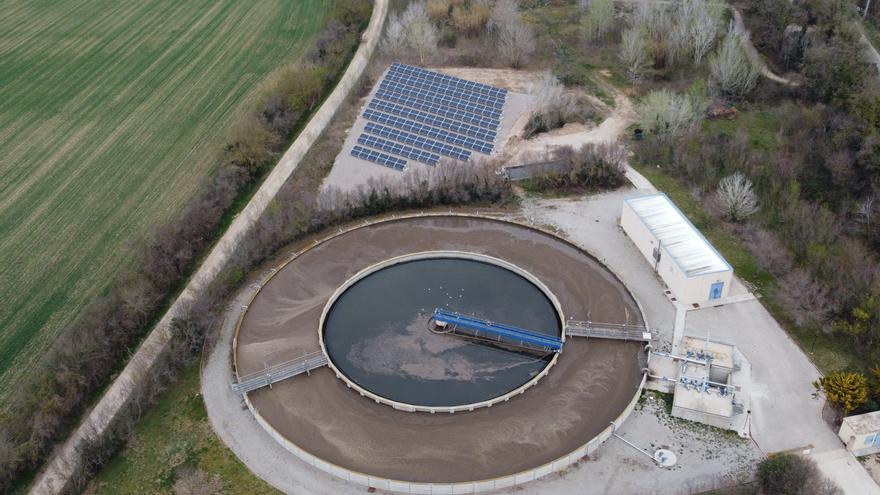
[804, 193]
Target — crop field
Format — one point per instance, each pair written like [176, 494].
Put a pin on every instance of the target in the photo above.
[110, 115]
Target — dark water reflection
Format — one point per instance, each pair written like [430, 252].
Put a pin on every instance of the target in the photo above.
[377, 331]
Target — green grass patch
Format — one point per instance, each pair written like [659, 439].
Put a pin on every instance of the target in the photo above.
[762, 128]
[825, 352]
[114, 112]
[173, 435]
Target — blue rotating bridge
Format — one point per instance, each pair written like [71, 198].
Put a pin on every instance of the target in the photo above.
[493, 332]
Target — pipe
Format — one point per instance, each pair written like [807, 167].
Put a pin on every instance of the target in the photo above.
[681, 358]
[644, 452]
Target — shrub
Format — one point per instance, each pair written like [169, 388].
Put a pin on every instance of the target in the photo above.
[731, 72]
[553, 106]
[846, 390]
[769, 20]
[593, 166]
[439, 10]
[633, 54]
[737, 197]
[598, 21]
[666, 115]
[515, 39]
[791, 474]
[471, 19]
[834, 69]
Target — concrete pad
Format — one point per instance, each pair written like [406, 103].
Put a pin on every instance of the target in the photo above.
[844, 469]
[785, 415]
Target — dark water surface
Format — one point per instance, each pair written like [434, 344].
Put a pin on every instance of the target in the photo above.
[377, 333]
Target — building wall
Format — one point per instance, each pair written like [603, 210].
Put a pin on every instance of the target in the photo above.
[859, 444]
[697, 288]
[688, 290]
[703, 417]
[638, 232]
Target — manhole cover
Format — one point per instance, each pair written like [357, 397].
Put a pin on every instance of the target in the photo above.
[665, 458]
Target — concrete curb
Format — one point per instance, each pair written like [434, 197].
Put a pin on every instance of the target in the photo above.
[427, 255]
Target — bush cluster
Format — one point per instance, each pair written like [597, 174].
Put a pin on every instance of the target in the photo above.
[593, 167]
[84, 357]
[791, 474]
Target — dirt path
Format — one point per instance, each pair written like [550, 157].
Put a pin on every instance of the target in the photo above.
[752, 52]
[66, 461]
[610, 130]
[870, 50]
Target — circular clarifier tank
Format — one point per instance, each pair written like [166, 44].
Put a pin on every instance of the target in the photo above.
[379, 333]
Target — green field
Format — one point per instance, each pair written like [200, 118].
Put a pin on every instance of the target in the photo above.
[110, 115]
[172, 436]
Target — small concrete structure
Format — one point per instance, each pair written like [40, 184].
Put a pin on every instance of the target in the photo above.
[861, 433]
[702, 378]
[692, 269]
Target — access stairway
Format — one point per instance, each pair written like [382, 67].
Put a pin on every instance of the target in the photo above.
[615, 331]
[283, 371]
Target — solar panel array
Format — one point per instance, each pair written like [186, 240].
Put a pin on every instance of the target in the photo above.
[380, 158]
[420, 115]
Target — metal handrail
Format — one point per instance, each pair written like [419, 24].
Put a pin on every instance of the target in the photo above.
[275, 368]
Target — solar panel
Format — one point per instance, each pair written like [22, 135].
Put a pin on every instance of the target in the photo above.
[418, 141]
[426, 118]
[398, 149]
[380, 158]
[431, 97]
[439, 88]
[431, 132]
[427, 75]
[420, 115]
[453, 82]
[438, 109]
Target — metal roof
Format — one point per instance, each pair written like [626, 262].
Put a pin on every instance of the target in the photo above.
[693, 254]
[864, 423]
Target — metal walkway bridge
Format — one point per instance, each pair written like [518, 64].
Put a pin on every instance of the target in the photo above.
[616, 331]
[497, 332]
[273, 374]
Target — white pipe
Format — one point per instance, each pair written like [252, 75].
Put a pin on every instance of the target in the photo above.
[644, 452]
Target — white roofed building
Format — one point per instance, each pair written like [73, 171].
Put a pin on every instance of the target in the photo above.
[861, 433]
[692, 269]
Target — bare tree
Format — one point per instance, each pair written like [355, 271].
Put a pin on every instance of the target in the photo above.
[731, 73]
[655, 22]
[807, 301]
[598, 21]
[415, 11]
[516, 42]
[666, 114]
[737, 197]
[653, 18]
[704, 32]
[553, 107]
[504, 13]
[692, 30]
[395, 36]
[420, 32]
[633, 54]
[422, 37]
